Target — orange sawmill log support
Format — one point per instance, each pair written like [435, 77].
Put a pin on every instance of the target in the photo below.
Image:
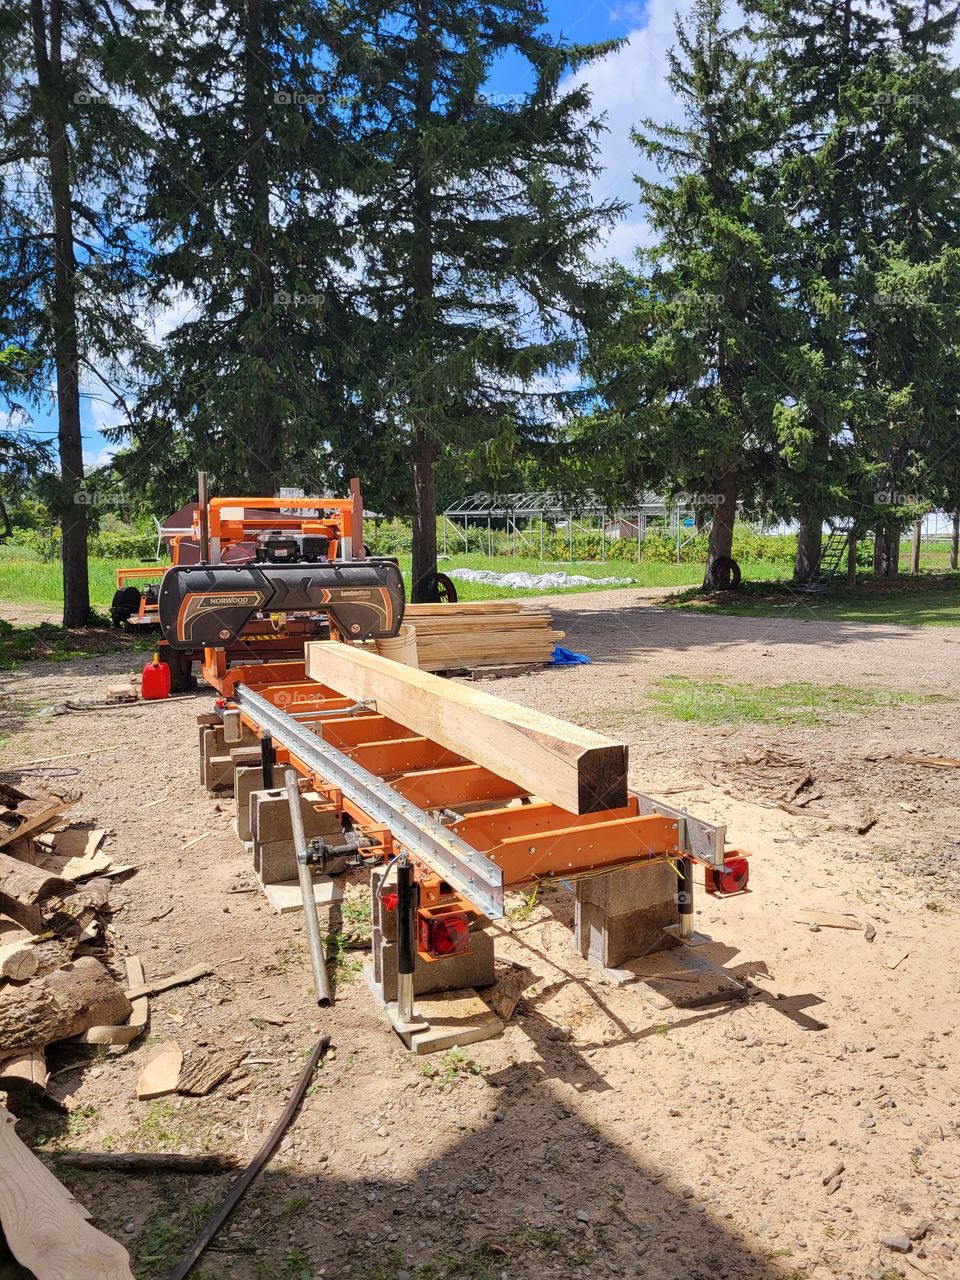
[353, 731]
[455, 785]
[400, 755]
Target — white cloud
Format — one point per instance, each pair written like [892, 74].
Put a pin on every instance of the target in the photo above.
[627, 86]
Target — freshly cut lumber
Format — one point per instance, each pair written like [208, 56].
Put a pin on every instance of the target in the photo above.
[162, 1071]
[43, 1228]
[141, 1162]
[575, 768]
[60, 1004]
[462, 606]
[473, 635]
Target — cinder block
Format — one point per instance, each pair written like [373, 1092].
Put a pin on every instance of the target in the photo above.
[621, 916]
[247, 778]
[218, 770]
[476, 969]
[270, 816]
[275, 861]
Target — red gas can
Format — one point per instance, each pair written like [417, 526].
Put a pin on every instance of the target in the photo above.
[156, 679]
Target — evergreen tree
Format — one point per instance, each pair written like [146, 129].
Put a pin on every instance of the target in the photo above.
[252, 381]
[825, 170]
[688, 371]
[473, 219]
[69, 146]
[911, 335]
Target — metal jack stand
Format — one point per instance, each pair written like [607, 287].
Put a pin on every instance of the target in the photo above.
[402, 1014]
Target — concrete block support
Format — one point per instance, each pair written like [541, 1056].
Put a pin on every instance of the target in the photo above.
[476, 969]
[247, 778]
[270, 816]
[219, 769]
[275, 862]
[621, 916]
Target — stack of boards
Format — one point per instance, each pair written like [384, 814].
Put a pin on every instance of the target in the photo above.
[498, 633]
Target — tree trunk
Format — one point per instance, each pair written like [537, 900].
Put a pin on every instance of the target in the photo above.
[955, 542]
[42, 902]
[809, 547]
[63, 308]
[424, 522]
[720, 542]
[852, 559]
[64, 1003]
[917, 543]
[886, 550]
[264, 437]
[424, 570]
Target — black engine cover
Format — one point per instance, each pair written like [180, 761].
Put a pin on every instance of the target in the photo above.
[204, 606]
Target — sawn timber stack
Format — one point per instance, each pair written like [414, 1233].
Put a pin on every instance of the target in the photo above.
[477, 634]
[575, 768]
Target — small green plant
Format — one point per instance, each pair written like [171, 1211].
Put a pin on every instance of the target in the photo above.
[288, 956]
[80, 1119]
[450, 1067]
[341, 966]
[295, 1265]
[661, 1029]
[168, 1233]
[525, 908]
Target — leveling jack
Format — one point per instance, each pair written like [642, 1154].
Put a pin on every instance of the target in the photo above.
[402, 1014]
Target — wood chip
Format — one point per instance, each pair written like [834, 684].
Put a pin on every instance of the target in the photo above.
[505, 996]
[930, 762]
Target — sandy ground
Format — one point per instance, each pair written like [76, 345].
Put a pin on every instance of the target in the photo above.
[604, 1134]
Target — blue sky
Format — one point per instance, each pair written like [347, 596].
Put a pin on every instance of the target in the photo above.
[626, 85]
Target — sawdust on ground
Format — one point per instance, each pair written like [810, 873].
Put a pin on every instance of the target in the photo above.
[608, 1132]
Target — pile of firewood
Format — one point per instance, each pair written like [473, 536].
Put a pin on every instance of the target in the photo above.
[54, 906]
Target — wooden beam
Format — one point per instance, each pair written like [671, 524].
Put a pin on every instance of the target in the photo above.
[575, 768]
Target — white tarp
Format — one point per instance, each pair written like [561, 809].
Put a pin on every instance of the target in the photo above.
[536, 581]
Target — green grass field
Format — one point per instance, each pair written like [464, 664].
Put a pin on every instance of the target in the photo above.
[715, 702]
[932, 600]
[30, 581]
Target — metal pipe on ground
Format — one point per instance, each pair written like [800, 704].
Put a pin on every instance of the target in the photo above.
[311, 920]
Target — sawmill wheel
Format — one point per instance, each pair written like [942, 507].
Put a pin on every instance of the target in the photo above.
[125, 603]
[182, 679]
[725, 574]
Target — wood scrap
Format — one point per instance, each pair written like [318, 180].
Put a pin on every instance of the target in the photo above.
[828, 920]
[22, 814]
[930, 762]
[42, 1225]
[43, 902]
[135, 1025]
[161, 1073]
[511, 984]
[19, 960]
[141, 1162]
[60, 1004]
[204, 1072]
[156, 985]
[26, 1070]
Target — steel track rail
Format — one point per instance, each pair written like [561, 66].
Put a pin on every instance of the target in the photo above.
[466, 870]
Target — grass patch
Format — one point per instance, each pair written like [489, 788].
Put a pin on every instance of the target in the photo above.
[168, 1233]
[450, 1067]
[46, 642]
[166, 1127]
[525, 908]
[930, 600]
[714, 702]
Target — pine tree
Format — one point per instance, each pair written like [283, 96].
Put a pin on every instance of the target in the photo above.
[689, 369]
[69, 147]
[824, 174]
[911, 337]
[473, 218]
[252, 381]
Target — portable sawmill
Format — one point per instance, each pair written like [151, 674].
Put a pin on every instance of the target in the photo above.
[448, 795]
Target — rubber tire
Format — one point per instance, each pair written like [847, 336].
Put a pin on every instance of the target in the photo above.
[725, 574]
[445, 589]
[182, 679]
[125, 602]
